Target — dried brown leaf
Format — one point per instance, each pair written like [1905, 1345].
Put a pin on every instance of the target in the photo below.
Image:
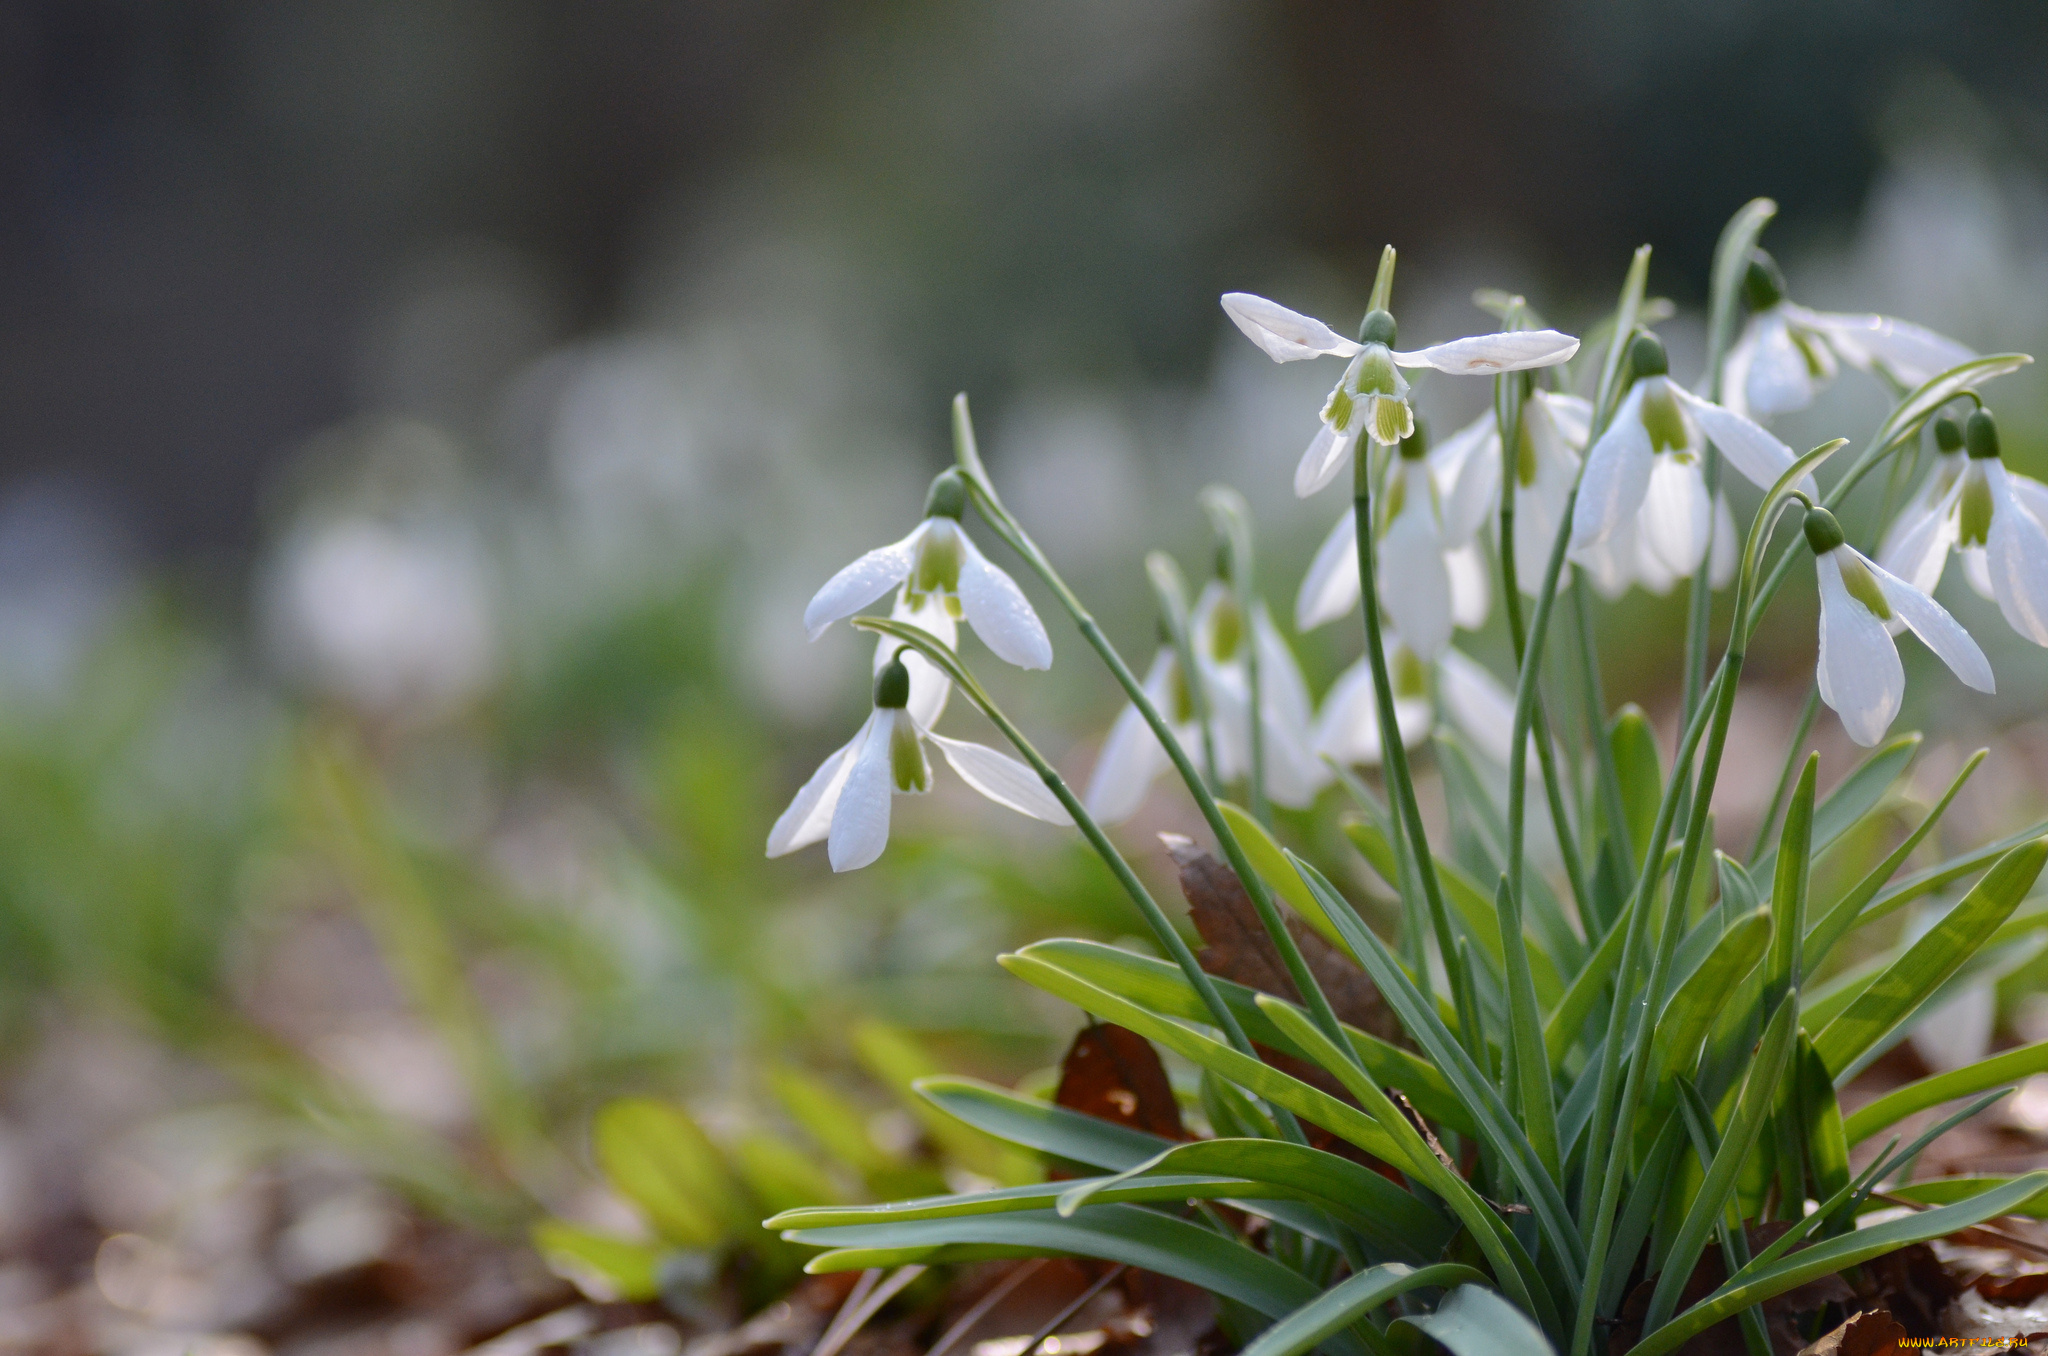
[1114, 1074]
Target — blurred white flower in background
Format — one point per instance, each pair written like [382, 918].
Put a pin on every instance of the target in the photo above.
[394, 617]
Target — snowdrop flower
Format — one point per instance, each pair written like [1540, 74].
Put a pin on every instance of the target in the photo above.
[1648, 460]
[1625, 560]
[1553, 432]
[1786, 353]
[1371, 398]
[1431, 571]
[1222, 648]
[1862, 606]
[1348, 726]
[846, 801]
[939, 563]
[1132, 756]
[1992, 518]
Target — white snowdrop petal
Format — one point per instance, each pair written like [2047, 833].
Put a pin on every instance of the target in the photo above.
[860, 823]
[1002, 779]
[1330, 588]
[2031, 493]
[1937, 630]
[1467, 469]
[929, 686]
[1471, 586]
[1726, 552]
[1778, 380]
[809, 815]
[1977, 572]
[1610, 564]
[1573, 415]
[1328, 453]
[1917, 546]
[1479, 704]
[1286, 336]
[1415, 588]
[1348, 726]
[1508, 351]
[1912, 353]
[1676, 515]
[1735, 371]
[1858, 666]
[1537, 517]
[1749, 448]
[1131, 757]
[1616, 477]
[860, 583]
[999, 612]
[1282, 689]
[2016, 556]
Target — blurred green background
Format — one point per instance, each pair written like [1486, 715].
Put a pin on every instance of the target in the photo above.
[424, 421]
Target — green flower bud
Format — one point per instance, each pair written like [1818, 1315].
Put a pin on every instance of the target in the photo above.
[1377, 329]
[1823, 533]
[1415, 446]
[1980, 435]
[947, 498]
[1948, 434]
[1646, 357]
[1763, 286]
[892, 684]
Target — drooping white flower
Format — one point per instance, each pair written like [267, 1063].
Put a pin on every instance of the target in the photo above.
[1132, 757]
[1222, 648]
[1625, 560]
[847, 800]
[1432, 574]
[1348, 725]
[1648, 461]
[1786, 353]
[1371, 398]
[1995, 520]
[939, 562]
[1862, 606]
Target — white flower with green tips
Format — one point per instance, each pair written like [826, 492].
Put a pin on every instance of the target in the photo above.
[847, 800]
[1648, 463]
[939, 564]
[1223, 643]
[1862, 606]
[1995, 520]
[1787, 353]
[1432, 573]
[1371, 399]
[1348, 725]
[1132, 757]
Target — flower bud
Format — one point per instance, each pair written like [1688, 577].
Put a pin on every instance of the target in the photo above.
[1377, 329]
[1646, 357]
[892, 684]
[1763, 286]
[1823, 533]
[1948, 434]
[1980, 435]
[1415, 446]
[947, 498]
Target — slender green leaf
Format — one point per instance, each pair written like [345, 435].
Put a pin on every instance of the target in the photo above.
[896, 1058]
[1568, 1021]
[1759, 1092]
[1838, 1254]
[1991, 963]
[1788, 890]
[1474, 1321]
[1607, 395]
[1704, 995]
[1118, 1233]
[1352, 1299]
[1552, 937]
[1271, 864]
[1951, 1190]
[1261, 1079]
[1535, 1094]
[1732, 254]
[1915, 410]
[1900, 1103]
[1040, 1125]
[1894, 994]
[1738, 890]
[1939, 876]
[602, 1265]
[1160, 986]
[655, 1156]
[1827, 1145]
[1641, 772]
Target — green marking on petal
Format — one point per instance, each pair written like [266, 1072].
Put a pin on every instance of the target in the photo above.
[1179, 697]
[1805, 342]
[938, 564]
[1392, 420]
[1973, 509]
[1410, 675]
[1862, 586]
[907, 766]
[1375, 373]
[1664, 420]
[1525, 453]
[1337, 411]
[1226, 630]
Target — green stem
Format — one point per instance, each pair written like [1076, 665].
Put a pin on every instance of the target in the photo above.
[1011, 531]
[1170, 589]
[1607, 777]
[1394, 753]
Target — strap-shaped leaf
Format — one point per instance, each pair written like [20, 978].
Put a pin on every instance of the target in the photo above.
[1838, 1254]
[1701, 999]
[1160, 986]
[1271, 863]
[1900, 1103]
[1186, 1186]
[1944, 874]
[1040, 1125]
[1915, 410]
[1827, 1144]
[1475, 1321]
[1908, 981]
[1856, 797]
[1350, 1300]
[1117, 1233]
[1552, 937]
[1392, 1219]
[1475, 1089]
[1951, 1190]
[1788, 888]
[1260, 1079]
